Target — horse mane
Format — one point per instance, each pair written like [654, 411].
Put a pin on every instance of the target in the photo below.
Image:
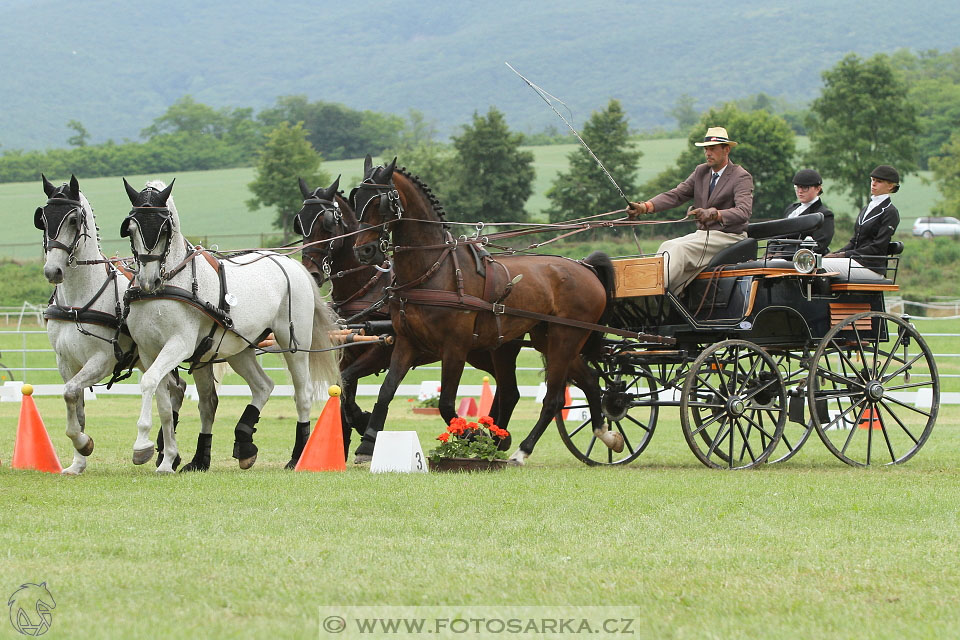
[431, 198]
[88, 209]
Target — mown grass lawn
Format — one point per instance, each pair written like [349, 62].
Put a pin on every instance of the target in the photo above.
[810, 548]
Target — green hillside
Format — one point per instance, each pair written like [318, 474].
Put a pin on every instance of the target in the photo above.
[115, 66]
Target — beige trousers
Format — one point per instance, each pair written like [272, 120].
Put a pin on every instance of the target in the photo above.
[687, 255]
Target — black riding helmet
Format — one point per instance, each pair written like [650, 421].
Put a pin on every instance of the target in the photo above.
[888, 173]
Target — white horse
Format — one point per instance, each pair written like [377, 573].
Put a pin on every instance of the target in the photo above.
[187, 306]
[84, 316]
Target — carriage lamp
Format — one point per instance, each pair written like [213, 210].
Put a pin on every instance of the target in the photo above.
[805, 261]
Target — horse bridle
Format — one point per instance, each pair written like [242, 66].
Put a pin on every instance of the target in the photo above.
[150, 232]
[332, 222]
[391, 210]
[45, 220]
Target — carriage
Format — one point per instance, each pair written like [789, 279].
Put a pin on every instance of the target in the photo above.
[765, 351]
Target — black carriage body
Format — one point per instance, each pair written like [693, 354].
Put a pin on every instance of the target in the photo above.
[771, 307]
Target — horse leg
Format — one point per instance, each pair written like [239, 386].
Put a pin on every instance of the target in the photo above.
[508, 393]
[207, 391]
[589, 382]
[172, 354]
[563, 347]
[177, 388]
[298, 365]
[401, 360]
[261, 386]
[451, 372]
[165, 411]
[372, 360]
[90, 373]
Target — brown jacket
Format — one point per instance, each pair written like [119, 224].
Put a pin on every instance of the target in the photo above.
[732, 197]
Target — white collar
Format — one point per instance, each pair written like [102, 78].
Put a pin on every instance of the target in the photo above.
[720, 172]
[804, 206]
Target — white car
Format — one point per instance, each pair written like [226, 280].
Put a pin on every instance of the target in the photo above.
[930, 227]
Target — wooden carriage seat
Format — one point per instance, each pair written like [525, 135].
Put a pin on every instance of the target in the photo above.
[746, 249]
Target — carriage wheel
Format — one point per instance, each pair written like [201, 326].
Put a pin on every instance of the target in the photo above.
[860, 383]
[733, 405]
[629, 406]
[795, 435]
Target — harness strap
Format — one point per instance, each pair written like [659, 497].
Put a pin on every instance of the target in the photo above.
[444, 298]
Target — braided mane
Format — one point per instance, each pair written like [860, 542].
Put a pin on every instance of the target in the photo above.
[434, 201]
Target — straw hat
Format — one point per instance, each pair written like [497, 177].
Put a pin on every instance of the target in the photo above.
[716, 135]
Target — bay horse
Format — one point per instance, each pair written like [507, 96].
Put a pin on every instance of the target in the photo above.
[85, 316]
[189, 306]
[327, 222]
[445, 304]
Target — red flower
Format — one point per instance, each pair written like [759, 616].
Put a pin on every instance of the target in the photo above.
[443, 437]
[486, 421]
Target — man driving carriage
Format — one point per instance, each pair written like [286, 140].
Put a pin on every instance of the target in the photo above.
[722, 194]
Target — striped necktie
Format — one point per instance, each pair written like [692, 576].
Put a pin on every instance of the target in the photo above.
[713, 183]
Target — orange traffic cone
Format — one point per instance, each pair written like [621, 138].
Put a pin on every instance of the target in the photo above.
[468, 407]
[324, 449]
[33, 448]
[566, 402]
[486, 398]
[870, 419]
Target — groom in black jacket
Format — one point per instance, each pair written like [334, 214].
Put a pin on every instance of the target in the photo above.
[809, 187]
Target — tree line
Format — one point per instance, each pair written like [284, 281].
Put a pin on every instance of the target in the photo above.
[901, 109]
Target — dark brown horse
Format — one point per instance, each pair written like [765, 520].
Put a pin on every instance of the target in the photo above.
[446, 301]
[327, 221]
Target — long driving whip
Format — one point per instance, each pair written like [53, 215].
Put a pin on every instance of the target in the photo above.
[547, 98]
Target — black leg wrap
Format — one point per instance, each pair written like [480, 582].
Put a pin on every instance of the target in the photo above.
[201, 459]
[367, 442]
[243, 446]
[303, 434]
[177, 460]
[176, 420]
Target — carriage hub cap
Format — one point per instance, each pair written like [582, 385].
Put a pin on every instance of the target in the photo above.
[875, 390]
[735, 406]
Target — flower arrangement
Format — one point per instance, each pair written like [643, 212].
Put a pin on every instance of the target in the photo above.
[464, 439]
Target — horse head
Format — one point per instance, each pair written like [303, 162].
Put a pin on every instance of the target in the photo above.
[151, 226]
[322, 221]
[378, 206]
[63, 221]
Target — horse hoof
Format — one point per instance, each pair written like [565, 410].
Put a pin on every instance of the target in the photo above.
[612, 439]
[518, 459]
[72, 470]
[362, 458]
[87, 448]
[246, 463]
[290, 466]
[165, 471]
[194, 466]
[142, 456]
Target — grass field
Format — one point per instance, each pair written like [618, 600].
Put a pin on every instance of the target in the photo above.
[213, 210]
[807, 549]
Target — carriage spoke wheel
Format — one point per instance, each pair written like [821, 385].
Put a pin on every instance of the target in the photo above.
[733, 405]
[873, 390]
[628, 402]
[795, 435]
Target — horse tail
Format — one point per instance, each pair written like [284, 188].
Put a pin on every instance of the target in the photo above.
[324, 365]
[603, 268]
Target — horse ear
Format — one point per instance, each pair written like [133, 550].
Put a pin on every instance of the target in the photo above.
[367, 164]
[48, 187]
[74, 188]
[335, 187]
[132, 193]
[304, 189]
[388, 170]
[166, 192]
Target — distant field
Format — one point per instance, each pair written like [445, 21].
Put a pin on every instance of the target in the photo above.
[213, 210]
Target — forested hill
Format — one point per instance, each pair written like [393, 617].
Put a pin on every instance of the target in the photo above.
[115, 66]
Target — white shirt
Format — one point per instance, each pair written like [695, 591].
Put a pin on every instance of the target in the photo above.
[803, 207]
[874, 202]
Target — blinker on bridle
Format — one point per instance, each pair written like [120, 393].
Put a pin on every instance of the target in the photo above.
[48, 221]
[151, 223]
